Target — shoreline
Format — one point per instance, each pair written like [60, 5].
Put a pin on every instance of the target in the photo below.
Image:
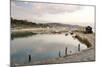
[82, 56]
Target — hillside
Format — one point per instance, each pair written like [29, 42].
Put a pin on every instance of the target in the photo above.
[26, 24]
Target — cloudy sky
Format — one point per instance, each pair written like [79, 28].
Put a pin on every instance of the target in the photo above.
[49, 12]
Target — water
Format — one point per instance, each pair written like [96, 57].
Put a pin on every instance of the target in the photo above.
[43, 47]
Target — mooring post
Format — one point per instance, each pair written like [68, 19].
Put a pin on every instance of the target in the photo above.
[66, 51]
[59, 54]
[29, 58]
[78, 47]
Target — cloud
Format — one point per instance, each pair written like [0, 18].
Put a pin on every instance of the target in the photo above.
[61, 13]
[54, 8]
[21, 12]
[43, 8]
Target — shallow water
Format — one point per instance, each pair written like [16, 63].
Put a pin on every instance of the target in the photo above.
[43, 47]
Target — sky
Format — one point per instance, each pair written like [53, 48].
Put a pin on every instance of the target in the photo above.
[49, 12]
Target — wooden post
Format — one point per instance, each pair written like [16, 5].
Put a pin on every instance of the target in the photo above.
[66, 51]
[59, 54]
[78, 47]
[29, 58]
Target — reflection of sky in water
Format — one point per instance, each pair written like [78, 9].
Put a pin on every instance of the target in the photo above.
[42, 47]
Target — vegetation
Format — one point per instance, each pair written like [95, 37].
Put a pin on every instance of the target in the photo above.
[83, 40]
[24, 23]
[21, 34]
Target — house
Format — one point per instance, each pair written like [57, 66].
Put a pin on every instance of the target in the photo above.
[88, 29]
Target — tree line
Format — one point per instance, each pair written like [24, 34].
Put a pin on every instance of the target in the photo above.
[17, 22]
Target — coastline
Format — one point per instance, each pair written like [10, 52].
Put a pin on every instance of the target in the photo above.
[82, 56]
